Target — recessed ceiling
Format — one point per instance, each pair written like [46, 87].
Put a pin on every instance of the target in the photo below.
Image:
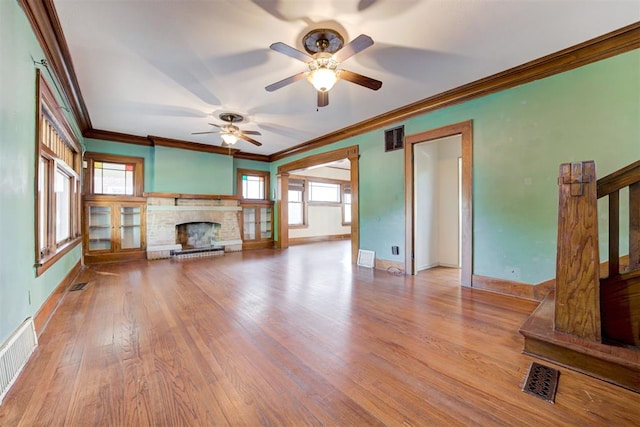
[169, 68]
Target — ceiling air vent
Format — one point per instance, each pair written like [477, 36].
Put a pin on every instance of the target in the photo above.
[394, 139]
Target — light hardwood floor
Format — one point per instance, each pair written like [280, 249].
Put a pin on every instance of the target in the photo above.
[296, 337]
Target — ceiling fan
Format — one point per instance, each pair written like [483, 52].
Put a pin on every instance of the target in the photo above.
[231, 133]
[326, 51]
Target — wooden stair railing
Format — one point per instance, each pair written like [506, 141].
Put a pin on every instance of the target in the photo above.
[592, 324]
[586, 306]
[577, 306]
[620, 290]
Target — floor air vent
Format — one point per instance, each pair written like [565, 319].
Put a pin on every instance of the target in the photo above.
[79, 286]
[15, 353]
[542, 382]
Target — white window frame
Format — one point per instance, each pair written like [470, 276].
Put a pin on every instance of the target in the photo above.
[298, 185]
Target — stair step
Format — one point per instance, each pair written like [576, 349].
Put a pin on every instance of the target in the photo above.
[615, 364]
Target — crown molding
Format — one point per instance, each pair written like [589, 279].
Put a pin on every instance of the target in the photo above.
[152, 140]
[611, 44]
[107, 135]
[251, 156]
[186, 145]
[46, 26]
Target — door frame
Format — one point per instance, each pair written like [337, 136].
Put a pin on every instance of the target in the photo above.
[350, 153]
[465, 129]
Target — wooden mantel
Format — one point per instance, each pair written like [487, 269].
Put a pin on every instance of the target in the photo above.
[193, 196]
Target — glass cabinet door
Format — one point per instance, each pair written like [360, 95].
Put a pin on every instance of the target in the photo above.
[99, 219]
[265, 223]
[130, 227]
[249, 223]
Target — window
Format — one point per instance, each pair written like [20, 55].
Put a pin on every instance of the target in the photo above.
[296, 202]
[346, 204]
[112, 174]
[253, 184]
[112, 178]
[58, 178]
[324, 192]
[62, 190]
[252, 187]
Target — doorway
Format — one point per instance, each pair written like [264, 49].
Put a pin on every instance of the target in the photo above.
[282, 199]
[437, 194]
[462, 134]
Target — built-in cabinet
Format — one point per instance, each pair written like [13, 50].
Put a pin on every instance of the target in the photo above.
[257, 224]
[114, 228]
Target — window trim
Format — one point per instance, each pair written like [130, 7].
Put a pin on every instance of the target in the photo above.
[138, 172]
[49, 115]
[343, 190]
[252, 172]
[304, 203]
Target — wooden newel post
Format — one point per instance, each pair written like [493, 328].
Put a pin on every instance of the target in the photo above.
[577, 308]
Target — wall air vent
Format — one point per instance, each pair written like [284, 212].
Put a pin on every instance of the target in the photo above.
[394, 139]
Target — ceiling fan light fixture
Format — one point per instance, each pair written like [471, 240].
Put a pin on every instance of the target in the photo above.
[323, 79]
[229, 138]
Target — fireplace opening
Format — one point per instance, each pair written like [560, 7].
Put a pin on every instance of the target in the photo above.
[197, 235]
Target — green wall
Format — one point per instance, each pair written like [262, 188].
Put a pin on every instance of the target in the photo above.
[21, 293]
[521, 136]
[186, 171]
[173, 170]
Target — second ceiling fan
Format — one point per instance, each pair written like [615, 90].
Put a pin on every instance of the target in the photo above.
[326, 51]
[231, 133]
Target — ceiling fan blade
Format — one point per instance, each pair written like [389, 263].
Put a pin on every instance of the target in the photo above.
[290, 51]
[213, 124]
[359, 79]
[287, 81]
[356, 45]
[249, 139]
[323, 99]
[201, 133]
[250, 132]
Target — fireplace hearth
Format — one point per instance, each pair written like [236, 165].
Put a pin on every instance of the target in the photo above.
[191, 226]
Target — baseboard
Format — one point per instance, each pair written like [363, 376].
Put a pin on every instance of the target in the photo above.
[535, 292]
[426, 267]
[502, 286]
[315, 239]
[385, 264]
[42, 316]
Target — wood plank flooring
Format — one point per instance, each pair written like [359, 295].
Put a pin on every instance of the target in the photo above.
[296, 337]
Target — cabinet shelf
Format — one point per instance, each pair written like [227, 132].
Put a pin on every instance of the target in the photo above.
[114, 230]
[257, 228]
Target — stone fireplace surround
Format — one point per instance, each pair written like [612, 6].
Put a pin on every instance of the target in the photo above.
[165, 211]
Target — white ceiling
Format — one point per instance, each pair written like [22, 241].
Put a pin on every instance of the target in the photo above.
[168, 68]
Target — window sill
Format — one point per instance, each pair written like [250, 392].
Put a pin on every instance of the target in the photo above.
[294, 226]
[256, 202]
[333, 204]
[50, 260]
